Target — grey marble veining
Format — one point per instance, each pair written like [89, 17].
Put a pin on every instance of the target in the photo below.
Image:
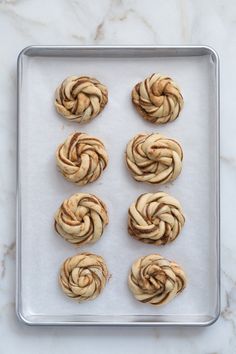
[24, 22]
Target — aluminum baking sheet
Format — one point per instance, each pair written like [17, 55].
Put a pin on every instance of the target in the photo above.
[41, 188]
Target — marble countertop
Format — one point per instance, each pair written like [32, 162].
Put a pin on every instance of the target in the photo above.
[116, 22]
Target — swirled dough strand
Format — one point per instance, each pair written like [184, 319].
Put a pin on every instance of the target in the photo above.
[83, 276]
[80, 99]
[158, 99]
[81, 158]
[154, 158]
[155, 280]
[155, 218]
[81, 219]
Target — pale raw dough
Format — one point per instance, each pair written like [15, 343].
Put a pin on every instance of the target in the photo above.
[83, 276]
[81, 158]
[80, 99]
[158, 99]
[155, 280]
[81, 219]
[154, 158]
[155, 218]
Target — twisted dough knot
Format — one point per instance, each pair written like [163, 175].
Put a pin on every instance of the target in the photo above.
[155, 280]
[81, 219]
[80, 98]
[83, 276]
[158, 99]
[154, 158]
[155, 218]
[81, 158]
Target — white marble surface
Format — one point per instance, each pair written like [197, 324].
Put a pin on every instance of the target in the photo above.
[25, 22]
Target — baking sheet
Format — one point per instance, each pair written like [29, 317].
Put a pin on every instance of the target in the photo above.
[43, 188]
